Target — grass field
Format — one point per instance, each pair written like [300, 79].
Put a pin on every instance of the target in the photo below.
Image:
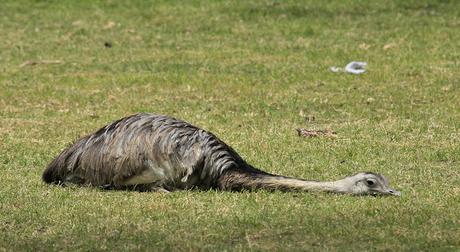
[251, 72]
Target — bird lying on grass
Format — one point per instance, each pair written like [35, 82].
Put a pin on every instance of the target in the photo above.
[159, 153]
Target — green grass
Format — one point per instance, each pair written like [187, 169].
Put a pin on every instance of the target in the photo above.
[244, 70]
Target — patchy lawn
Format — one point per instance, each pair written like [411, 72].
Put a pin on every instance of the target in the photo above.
[252, 72]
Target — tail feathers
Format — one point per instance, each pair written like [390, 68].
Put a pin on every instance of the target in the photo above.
[51, 174]
[59, 169]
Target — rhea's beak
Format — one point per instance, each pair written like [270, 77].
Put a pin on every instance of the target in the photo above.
[393, 192]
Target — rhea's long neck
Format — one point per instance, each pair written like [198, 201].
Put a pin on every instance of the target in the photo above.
[294, 184]
[244, 180]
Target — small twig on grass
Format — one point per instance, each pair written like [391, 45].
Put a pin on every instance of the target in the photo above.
[36, 62]
[316, 133]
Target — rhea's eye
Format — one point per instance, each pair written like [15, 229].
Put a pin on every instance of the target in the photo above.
[370, 182]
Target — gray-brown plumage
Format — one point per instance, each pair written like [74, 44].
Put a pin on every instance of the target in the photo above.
[156, 152]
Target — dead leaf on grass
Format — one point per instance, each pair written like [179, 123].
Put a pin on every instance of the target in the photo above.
[77, 23]
[109, 25]
[446, 88]
[388, 46]
[370, 100]
[364, 46]
[316, 133]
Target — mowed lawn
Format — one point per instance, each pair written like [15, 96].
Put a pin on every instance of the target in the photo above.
[252, 72]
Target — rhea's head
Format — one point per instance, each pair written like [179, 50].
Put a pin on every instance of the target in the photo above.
[368, 183]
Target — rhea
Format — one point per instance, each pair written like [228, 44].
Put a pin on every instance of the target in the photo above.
[160, 153]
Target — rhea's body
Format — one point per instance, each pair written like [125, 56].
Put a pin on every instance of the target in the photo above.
[146, 149]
